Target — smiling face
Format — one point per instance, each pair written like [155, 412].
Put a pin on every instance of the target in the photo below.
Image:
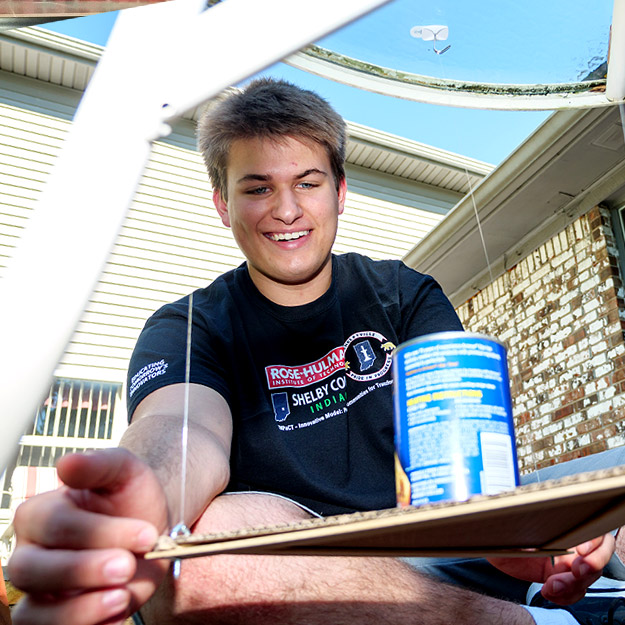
[283, 207]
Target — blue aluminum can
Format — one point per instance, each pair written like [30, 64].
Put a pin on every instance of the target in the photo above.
[454, 433]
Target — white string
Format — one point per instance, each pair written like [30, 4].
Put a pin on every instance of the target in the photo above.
[490, 272]
[180, 529]
[185, 414]
[479, 226]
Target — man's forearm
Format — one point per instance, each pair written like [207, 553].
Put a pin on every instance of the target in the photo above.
[157, 441]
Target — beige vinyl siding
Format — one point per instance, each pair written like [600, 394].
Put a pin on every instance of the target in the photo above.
[172, 242]
[29, 142]
[385, 216]
[381, 229]
[33, 123]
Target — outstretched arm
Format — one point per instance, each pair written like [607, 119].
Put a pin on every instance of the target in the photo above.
[78, 554]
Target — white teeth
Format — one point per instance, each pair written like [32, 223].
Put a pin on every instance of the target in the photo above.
[289, 236]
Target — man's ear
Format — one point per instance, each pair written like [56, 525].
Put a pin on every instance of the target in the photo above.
[222, 208]
[342, 194]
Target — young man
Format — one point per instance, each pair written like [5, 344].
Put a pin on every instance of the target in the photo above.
[289, 413]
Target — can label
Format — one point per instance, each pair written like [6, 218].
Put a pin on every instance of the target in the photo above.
[454, 433]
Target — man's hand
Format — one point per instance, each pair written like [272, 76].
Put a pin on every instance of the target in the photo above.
[566, 579]
[78, 548]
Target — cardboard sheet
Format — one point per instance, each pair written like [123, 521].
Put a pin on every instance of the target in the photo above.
[545, 518]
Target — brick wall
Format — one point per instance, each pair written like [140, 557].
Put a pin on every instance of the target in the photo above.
[560, 312]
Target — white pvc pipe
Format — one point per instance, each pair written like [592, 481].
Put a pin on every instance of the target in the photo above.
[167, 53]
[254, 39]
[615, 84]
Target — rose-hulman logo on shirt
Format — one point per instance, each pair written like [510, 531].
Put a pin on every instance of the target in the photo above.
[365, 356]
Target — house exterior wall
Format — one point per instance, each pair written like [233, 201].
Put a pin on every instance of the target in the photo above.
[560, 313]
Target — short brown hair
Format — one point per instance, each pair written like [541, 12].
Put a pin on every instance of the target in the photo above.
[269, 108]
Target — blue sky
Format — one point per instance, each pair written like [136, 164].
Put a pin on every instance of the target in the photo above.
[482, 134]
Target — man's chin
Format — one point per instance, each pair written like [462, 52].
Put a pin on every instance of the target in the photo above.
[295, 275]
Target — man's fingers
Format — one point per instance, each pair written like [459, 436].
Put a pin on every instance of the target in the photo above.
[114, 482]
[102, 469]
[85, 609]
[566, 588]
[593, 556]
[596, 553]
[86, 530]
[53, 523]
[37, 570]
[74, 552]
[587, 559]
[573, 574]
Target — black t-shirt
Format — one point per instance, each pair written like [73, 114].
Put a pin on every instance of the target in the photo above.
[309, 387]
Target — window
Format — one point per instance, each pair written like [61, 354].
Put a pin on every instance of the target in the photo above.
[77, 409]
[77, 415]
[618, 227]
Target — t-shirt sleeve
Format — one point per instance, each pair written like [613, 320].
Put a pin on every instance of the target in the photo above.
[425, 308]
[159, 357]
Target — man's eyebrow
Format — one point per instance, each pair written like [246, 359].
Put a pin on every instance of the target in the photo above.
[267, 177]
[256, 177]
[312, 170]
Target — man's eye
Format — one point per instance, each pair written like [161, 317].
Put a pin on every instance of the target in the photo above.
[257, 190]
[307, 185]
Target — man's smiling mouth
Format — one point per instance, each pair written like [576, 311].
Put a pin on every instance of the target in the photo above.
[287, 236]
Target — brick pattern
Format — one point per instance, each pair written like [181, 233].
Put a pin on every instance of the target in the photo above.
[560, 312]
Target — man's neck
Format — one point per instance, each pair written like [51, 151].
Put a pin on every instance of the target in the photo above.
[285, 294]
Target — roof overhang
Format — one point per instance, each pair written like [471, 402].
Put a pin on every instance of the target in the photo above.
[572, 162]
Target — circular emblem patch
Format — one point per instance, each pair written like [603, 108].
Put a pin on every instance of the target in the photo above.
[368, 356]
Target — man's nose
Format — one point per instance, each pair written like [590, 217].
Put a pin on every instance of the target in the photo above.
[286, 207]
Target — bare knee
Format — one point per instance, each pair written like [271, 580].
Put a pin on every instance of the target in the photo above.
[244, 510]
[217, 583]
